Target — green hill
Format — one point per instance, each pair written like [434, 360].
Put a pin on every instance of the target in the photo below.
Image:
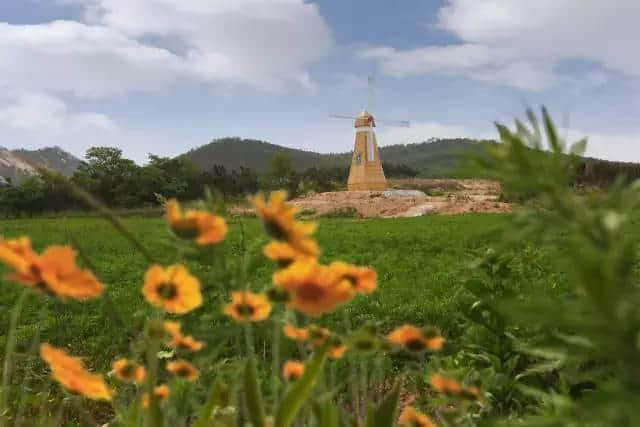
[431, 159]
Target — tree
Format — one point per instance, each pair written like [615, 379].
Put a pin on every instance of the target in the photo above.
[280, 174]
[107, 175]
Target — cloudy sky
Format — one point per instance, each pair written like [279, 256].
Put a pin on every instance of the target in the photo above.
[163, 76]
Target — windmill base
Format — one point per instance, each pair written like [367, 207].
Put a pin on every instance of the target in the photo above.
[367, 186]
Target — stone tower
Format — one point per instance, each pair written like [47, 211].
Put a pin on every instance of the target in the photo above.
[366, 172]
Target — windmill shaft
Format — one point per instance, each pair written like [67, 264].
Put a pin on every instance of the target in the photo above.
[402, 123]
[339, 116]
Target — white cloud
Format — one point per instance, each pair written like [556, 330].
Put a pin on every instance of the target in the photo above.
[35, 120]
[476, 60]
[31, 120]
[238, 40]
[67, 56]
[519, 42]
[124, 45]
[39, 112]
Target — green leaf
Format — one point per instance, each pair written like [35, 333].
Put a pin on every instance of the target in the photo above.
[326, 413]
[552, 135]
[541, 368]
[578, 148]
[253, 394]
[534, 124]
[385, 414]
[218, 397]
[300, 390]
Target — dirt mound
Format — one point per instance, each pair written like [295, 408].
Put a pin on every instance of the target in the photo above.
[409, 198]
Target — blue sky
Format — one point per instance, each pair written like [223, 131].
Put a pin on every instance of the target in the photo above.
[164, 76]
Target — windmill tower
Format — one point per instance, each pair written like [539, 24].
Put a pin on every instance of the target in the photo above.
[365, 173]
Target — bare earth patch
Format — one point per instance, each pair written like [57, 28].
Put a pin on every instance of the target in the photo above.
[409, 198]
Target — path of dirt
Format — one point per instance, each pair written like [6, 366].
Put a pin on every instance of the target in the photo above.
[409, 198]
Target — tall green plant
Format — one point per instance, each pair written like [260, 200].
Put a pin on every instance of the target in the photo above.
[589, 340]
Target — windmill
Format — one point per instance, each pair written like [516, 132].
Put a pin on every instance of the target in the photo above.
[365, 173]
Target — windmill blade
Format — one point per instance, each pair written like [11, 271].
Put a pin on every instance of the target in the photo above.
[399, 123]
[371, 94]
[339, 116]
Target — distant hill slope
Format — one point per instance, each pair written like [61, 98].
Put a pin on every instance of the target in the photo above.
[14, 167]
[18, 164]
[438, 158]
[429, 158]
[54, 158]
[236, 152]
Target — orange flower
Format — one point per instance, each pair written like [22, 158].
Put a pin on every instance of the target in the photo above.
[283, 253]
[179, 341]
[173, 289]
[318, 335]
[206, 228]
[128, 371]
[280, 223]
[276, 214]
[292, 370]
[414, 339]
[297, 334]
[337, 351]
[314, 289]
[18, 254]
[247, 306]
[55, 271]
[173, 328]
[446, 385]
[471, 393]
[363, 279]
[71, 373]
[414, 418]
[183, 369]
[449, 386]
[161, 393]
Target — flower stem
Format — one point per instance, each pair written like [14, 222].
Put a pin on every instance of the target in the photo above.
[11, 344]
[152, 415]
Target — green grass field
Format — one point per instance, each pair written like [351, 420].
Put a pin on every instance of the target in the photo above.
[421, 262]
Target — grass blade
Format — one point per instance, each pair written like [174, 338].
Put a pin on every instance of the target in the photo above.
[299, 392]
[8, 356]
[253, 394]
[385, 414]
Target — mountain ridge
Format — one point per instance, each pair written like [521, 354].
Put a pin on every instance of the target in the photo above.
[18, 164]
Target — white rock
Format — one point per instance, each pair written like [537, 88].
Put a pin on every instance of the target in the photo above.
[404, 194]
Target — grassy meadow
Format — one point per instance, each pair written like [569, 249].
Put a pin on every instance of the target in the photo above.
[421, 262]
[422, 265]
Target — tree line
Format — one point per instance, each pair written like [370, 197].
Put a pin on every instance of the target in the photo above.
[600, 173]
[121, 183]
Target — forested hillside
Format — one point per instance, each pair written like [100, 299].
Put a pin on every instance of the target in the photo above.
[430, 159]
[234, 153]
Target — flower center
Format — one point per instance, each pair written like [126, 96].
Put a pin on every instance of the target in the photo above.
[185, 229]
[128, 371]
[183, 371]
[284, 262]
[415, 344]
[245, 310]
[167, 291]
[351, 279]
[310, 292]
[275, 230]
